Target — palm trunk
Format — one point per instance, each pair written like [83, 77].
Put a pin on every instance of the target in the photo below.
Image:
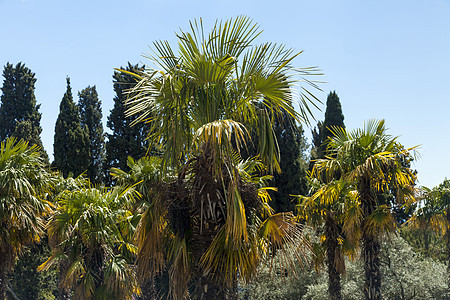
[148, 290]
[334, 277]
[371, 255]
[207, 186]
[205, 285]
[208, 288]
[370, 244]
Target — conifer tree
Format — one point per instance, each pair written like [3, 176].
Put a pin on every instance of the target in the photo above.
[19, 113]
[293, 178]
[91, 117]
[333, 117]
[292, 147]
[71, 143]
[125, 140]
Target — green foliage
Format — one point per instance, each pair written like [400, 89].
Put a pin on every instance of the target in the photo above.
[425, 242]
[24, 183]
[317, 151]
[433, 213]
[293, 178]
[71, 143]
[334, 211]
[321, 133]
[401, 269]
[273, 285]
[125, 140]
[90, 234]
[27, 282]
[91, 117]
[19, 113]
[333, 116]
[405, 275]
[410, 275]
[203, 100]
[372, 162]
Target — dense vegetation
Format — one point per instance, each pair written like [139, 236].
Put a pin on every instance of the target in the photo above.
[201, 189]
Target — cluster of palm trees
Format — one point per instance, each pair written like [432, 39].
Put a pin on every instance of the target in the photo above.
[360, 166]
[199, 213]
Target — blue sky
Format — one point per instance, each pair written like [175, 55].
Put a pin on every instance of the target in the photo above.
[385, 59]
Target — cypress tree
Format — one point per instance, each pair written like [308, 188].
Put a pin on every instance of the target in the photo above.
[320, 134]
[19, 113]
[125, 140]
[316, 151]
[71, 143]
[292, 147]
[333, 116]
[293, 178]
[91, 117]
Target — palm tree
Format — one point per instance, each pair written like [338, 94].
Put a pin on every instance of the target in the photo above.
[144, 176]
[334, 207]
[203, 101]
[23, 185]
[160, 219]
[373, 162]
[90, 241]
[434, 214]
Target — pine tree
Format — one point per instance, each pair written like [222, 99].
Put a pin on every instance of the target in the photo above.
[19, 113]
[71, 144]
[125, 140]
[91, 117]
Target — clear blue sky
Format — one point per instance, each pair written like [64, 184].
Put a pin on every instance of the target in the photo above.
[385, 59]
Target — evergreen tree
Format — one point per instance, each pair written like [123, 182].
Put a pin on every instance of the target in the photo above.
[316, 151]
[293, 178]
[91, 117]
[19, 113]
[26, 281]
[333, 116]
[125, 140]
[320, 134]
[71, 144]
[292, 147]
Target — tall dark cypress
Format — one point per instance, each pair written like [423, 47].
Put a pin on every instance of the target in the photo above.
[333, 117]
[293, 178]
[19, 113]
[125, 140]
[71, 143]
[91, 117]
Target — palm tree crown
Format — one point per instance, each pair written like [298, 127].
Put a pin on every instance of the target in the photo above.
[201, 103]
[91, 244]
[24, 183]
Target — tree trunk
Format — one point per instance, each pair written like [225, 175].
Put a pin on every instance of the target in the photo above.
[208, 288]
[205, 285]
[208, 196]
[148, 290]
[371, 255]
[333, 254]
[370, 244]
